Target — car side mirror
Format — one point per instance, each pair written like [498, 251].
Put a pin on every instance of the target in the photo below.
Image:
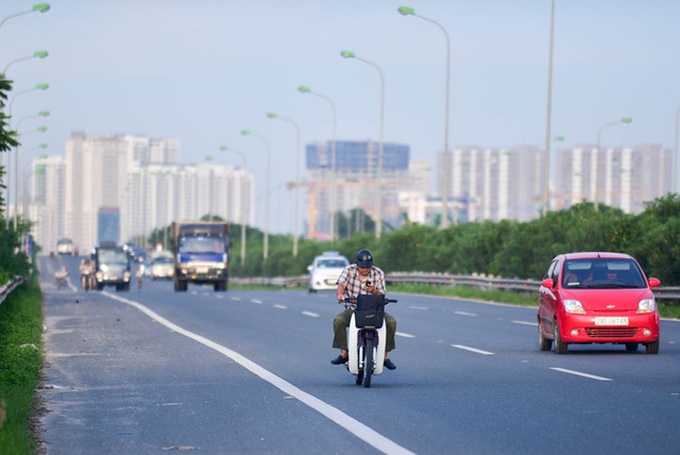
[654, 282]
[548, 283]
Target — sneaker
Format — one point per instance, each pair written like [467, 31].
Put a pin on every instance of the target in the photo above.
[339, 360]
[389, 365]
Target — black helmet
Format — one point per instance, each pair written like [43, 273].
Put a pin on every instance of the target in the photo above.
[365, 258]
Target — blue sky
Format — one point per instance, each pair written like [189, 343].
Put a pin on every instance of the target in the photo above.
[201, 71]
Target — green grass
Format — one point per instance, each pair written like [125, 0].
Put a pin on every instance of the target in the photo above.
[21, 360]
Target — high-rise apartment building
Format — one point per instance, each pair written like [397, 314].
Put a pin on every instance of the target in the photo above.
[139, 178]
[353, 181]
[493, 184]
[624, 177]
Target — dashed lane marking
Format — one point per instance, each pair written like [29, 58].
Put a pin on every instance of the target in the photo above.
[468, 348]
[583, 375]
[310, 314]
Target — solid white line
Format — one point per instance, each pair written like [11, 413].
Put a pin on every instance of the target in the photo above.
[310, 314]
[524, 323]
[361, 431]
[405, 335]
[467, 348]
[463, 313]
[584, 375]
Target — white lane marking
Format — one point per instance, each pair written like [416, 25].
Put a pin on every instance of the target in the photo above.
[405, 335]
[468, 348]
[238, 299]
[311, 315]
[525, 323]
[584, 375]
[259, 302]
[414, 307]
[280, 307]
[463, 313]
[361, 431]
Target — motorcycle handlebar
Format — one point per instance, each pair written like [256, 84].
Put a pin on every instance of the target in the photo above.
[354, 300]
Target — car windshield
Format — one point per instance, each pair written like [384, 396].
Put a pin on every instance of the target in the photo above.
[331, 263]
[163, 260]
[113, 257]
[201, 244]
[602, 273]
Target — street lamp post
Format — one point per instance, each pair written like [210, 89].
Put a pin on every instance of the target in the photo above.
[546, 172]
[36, 54]
[224, 148]
[41, 86]
[246, 132]
[40, 129]
[40, 7]
[333, 192]
[406, 11]
[296, 221]
[350, 54]
[675, 160]
[597, 157]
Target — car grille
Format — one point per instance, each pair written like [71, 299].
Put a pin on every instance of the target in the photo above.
[611, 332]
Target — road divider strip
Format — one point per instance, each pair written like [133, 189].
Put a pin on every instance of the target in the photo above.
[358, 429]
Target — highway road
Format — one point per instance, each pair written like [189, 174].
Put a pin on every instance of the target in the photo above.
[153, 371]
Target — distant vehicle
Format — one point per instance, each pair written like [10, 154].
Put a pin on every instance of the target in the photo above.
[65, 246]
[201, 254]
[112, 267]
[325, 270]
[162, 265]
[597, 298]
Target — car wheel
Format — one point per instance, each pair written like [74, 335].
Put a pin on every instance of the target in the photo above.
[544, 344]
[560, 346]
[631, 347]
[653, 347]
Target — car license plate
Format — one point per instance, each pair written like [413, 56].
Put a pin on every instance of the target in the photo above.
[202, 270]
[611, 321]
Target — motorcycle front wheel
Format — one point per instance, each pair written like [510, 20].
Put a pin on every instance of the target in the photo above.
[368, 362]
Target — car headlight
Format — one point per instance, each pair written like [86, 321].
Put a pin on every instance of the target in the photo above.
[646, 306]
[573, 307]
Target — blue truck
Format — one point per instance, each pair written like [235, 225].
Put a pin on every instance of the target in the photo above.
[201, 254]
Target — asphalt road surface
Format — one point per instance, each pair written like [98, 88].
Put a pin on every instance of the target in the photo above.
[243, 372]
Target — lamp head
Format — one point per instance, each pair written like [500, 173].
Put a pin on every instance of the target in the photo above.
[42, 146]
[40, 54]
[347, 54]
[558, 138]
[42, 86]
[271, 115]
[224, 148]
[42, 7]
[406, 11]
[304, 89]
[626, 120]
[246, 132]
[41, 129]
[44, 113]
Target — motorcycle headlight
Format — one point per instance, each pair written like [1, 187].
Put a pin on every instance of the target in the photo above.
[646, 306]
[573, 307]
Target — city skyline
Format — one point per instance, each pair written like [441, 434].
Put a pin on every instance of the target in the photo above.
[203, 71]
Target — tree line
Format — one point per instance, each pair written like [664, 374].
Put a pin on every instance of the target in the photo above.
[508, 249]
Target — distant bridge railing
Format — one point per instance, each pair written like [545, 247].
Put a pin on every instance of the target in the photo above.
[444, 279]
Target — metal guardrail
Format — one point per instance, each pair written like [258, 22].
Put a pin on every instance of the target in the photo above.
[444, 279]
[10, 286]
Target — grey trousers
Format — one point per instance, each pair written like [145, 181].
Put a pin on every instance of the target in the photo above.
[341, 322]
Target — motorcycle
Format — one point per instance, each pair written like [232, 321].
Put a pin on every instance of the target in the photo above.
[367, 338]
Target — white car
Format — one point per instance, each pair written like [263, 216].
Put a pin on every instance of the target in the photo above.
[325, 270]
[162, 267]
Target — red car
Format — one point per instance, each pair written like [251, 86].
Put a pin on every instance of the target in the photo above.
[597, 298]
